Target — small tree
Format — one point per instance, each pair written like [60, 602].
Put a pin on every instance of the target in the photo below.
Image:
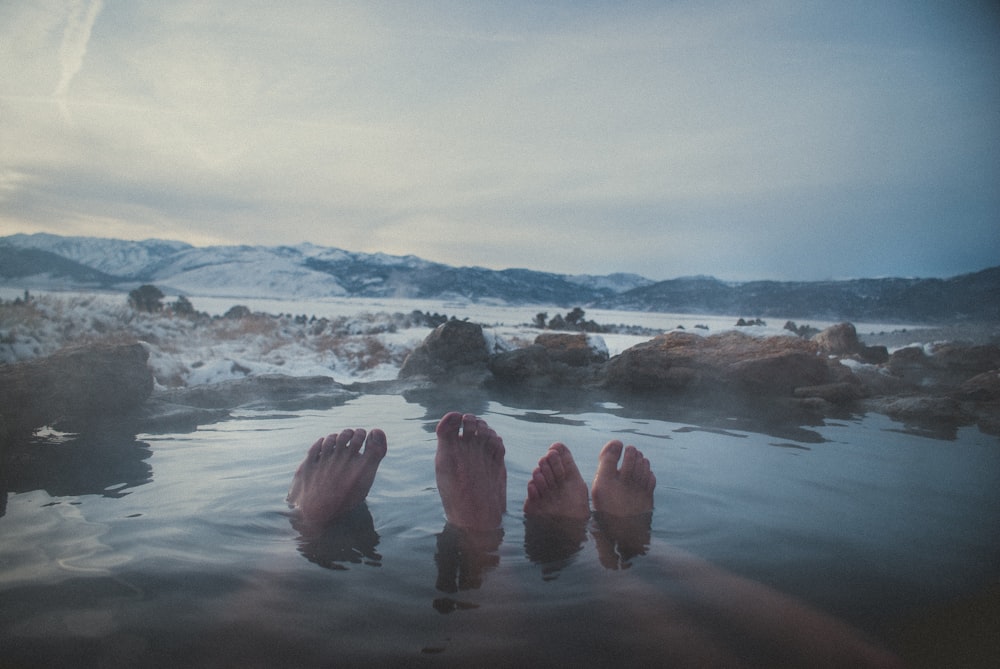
[576, 316]
[182, 306]
[237, 312]
[146, 298]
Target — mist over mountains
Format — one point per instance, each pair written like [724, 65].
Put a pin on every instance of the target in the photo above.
[308, 271]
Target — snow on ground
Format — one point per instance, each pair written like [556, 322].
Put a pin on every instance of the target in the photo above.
[349, 339]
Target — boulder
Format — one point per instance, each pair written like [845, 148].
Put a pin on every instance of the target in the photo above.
[522, 365]
[948, 365]
[74, 388]
[732, 361]
[983, 387]
[909, 364]
[842, 340]
[575, 350]
[454, 351]
[925, 408]
[966, 361]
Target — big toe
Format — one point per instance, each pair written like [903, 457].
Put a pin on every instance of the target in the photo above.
[448, 426]
[376, 445]
[607, 461]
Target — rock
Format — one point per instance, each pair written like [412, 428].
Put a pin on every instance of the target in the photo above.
[910, 364]
[840, 339]
[731, 361]
[879, 381]
[924, 407]
[834, 393]
[575, 350]
[983, 387]
[523, 365]
[966, 361]
[948, 366]
[74, 388]
[454, 351]
[874, 355]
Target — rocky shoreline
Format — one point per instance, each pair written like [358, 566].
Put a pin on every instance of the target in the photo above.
[931, 385]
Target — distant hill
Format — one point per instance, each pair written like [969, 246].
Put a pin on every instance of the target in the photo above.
[307, 270]
[28, 263]
[970, 297]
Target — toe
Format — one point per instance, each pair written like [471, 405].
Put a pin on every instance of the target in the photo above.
[546, 471]
[377, 445]
[314, 451]
[630, 462]
[449, 424]
[329, 446]
[541, 485]
[469, 426]
[483, 430]
[607, 463]
[558, 466]
[340, 442]
[357, 441]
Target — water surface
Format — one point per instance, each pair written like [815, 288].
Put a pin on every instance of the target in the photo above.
[165, 549]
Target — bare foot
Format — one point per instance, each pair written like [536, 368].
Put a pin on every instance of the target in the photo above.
[336, 475]
[556, 488]
[471, 474]
[622, 492]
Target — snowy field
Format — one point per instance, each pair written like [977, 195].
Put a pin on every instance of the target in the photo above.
[350, 339]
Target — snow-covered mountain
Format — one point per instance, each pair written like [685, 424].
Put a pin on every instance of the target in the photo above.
[301, 271]
[311, 271]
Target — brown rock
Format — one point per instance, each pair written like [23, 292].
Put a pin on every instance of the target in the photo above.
[925, 407]
[731, 361]
[75, 387]
[455, 350]
[983, 387]
[966, 361]
[840, 339]
[575, 350]
[523, 365]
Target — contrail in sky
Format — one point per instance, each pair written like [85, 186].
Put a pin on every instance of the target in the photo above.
[73, 48]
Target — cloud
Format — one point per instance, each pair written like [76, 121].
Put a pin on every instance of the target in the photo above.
[76, 36]
[674, 138]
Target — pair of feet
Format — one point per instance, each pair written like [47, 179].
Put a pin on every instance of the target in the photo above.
[339, 470]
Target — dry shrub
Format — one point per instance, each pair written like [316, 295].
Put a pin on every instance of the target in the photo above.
[117, 337]
[365, 352]
[252, 326]
[20, 315]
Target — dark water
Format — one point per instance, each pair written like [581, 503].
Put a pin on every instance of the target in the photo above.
[175, 549]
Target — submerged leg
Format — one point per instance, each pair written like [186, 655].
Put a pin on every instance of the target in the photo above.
[336, 475]
[470, 471]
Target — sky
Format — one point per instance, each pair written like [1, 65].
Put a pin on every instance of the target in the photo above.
[780, 139]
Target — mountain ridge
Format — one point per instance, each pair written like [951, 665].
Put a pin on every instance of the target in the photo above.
[307, 270]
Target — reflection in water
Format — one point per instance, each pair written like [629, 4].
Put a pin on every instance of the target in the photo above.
[444, 398]
[463, 558]
[105, 463]
[547, 418]
[352, 540]
[553, 543]
[619, 540]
